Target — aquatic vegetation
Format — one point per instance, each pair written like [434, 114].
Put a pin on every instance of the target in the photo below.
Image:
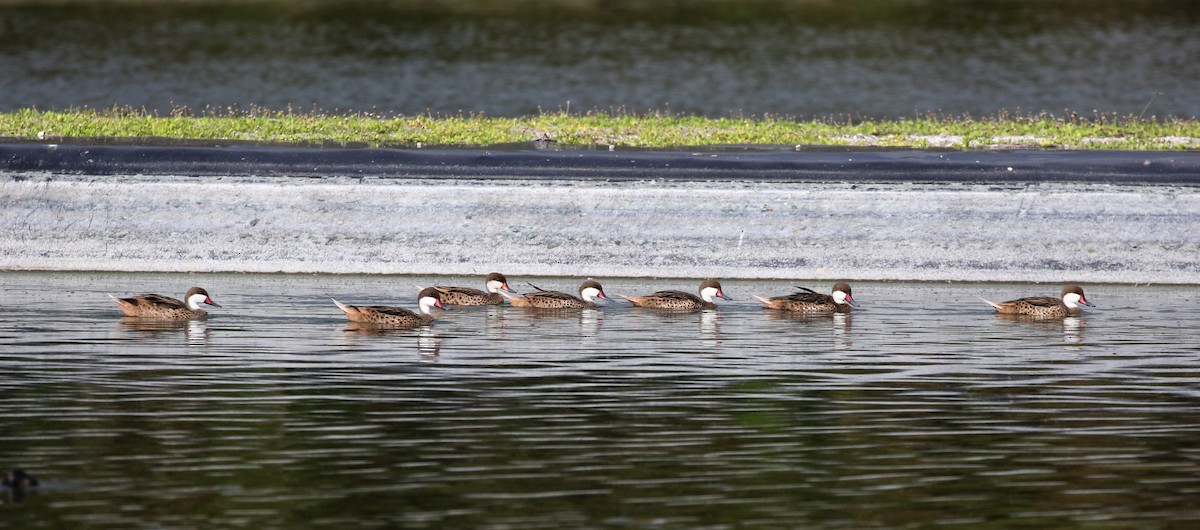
[660, 130]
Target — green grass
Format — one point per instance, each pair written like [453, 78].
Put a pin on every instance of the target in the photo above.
[601, 129]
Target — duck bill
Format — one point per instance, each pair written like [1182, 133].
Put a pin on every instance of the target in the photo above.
[721, 295]
[1084, 301]
[852, 302]
[507, 289]
[211, 303]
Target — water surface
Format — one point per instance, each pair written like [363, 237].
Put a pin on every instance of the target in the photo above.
[921, 410]
[802, 58]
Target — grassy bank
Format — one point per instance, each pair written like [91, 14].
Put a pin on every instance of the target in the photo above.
[652, 130]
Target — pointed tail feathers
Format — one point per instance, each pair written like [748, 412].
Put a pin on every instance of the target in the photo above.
[635, 300]
[125, 307]
[991, 303]
[348, 309]
[516, 300]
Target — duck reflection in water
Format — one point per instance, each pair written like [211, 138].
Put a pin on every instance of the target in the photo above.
[1070, 327]
[495, 326]
[707, 323]
[589, 324]
[195, 331]
[840, 323]
[429, 342]
[710, 327]
[841, 331]
[589, 320]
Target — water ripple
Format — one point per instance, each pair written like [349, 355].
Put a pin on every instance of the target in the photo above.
[615, 417]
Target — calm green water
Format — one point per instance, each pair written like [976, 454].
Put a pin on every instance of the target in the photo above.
[717, 57]
[923, 410]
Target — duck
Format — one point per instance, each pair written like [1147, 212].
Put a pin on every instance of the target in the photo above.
[589, 291]
[18, 480]
[1066, 305]
[680, 300]
[809, 301]
[494, 283]
[396, 317]
[161, 307]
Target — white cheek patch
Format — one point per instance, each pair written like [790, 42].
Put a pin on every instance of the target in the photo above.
[194, 301]
[427, 304]
[590, 293]
[839, 297]
[708, 293]
[1071, 300]
[494, 286]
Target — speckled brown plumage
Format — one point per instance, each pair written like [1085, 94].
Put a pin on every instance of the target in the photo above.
[679, 300]
[470, 297]
[395, 317]
[543, 299]
[809, 301]
[159, 307]
[1045, 306]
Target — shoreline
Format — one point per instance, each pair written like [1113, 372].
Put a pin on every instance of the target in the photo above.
[701, 164]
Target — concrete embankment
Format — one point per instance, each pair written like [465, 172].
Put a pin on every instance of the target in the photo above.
[995, 216]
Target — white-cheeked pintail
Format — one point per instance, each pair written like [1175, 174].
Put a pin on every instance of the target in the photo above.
[396, 317]
[681, 301]
[1067, 305]
[589, 291]
[809, 301]
[161, 307]
[494, 283]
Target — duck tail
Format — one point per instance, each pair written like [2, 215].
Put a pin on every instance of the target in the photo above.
[991, 303]
[348, 309]
[765, 301]
[127, 307]
[515, 299]
[635, 300]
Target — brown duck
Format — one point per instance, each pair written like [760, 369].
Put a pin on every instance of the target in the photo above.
[1067, 305]
[161, 307]
[494, 283]
[680, 300]
[543, 299]
[809, 301]
[396, 317]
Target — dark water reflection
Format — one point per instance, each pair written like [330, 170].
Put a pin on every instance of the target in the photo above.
[922, 410]
[879, 59]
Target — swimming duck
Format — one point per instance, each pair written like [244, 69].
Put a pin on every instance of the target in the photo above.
[166, 308]
[18, 480]
[809, 301]
[1067, 305]
[494, 283]
[543, 299]
[396, 317]
[681, 300]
